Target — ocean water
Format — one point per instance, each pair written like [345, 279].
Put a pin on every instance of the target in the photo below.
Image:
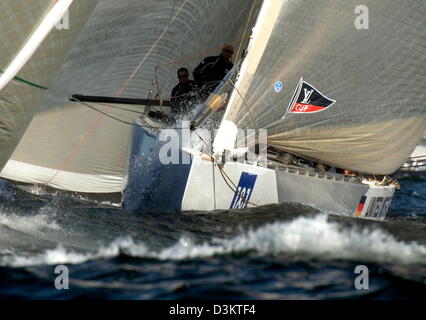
[285, 251]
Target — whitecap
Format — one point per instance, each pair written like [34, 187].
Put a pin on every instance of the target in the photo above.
[313, 237]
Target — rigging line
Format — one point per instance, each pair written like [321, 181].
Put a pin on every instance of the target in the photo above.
[201, 138]
[125, 85]
[101, 116]
[236, 188]
[228, 183]
[124, 121]
[245, 104]
[222, 172]
[245, 29]
[28, 82]
[221, 167]
[225, 178]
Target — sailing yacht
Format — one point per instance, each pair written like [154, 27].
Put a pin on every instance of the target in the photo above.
[303, 83]
[316, 91]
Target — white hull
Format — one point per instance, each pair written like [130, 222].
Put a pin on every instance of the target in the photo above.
[199, 185]
[329, 193]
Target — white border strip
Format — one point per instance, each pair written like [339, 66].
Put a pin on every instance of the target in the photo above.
[66, 180]
[48, 23]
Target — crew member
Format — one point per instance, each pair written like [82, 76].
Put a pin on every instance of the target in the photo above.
[213, 69]
[183, 94]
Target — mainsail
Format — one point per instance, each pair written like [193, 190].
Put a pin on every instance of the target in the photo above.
[372, 72]
[125, 46]
[31, 53]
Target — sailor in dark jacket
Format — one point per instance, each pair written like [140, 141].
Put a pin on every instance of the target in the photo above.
[184, 94]
[213, 69]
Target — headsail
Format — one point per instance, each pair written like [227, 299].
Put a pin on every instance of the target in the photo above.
[125, 46]
[375, 75]
[32, 51]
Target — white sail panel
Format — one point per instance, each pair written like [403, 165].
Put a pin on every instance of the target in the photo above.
[21, 96]
[73, 150]
[374, 73]
[117, 54]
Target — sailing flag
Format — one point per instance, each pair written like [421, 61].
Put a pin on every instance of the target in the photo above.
[308, 99]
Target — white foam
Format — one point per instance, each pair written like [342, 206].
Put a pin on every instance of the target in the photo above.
[310, 236]
[42, 191]
[31, 224]
[61, 255]
[314, 236]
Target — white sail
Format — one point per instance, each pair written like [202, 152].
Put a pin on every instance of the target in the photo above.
[70, 147]
[366, 61]
[31, 52]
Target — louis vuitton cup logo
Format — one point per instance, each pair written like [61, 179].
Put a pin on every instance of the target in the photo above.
[308, 99]
[308, 94]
